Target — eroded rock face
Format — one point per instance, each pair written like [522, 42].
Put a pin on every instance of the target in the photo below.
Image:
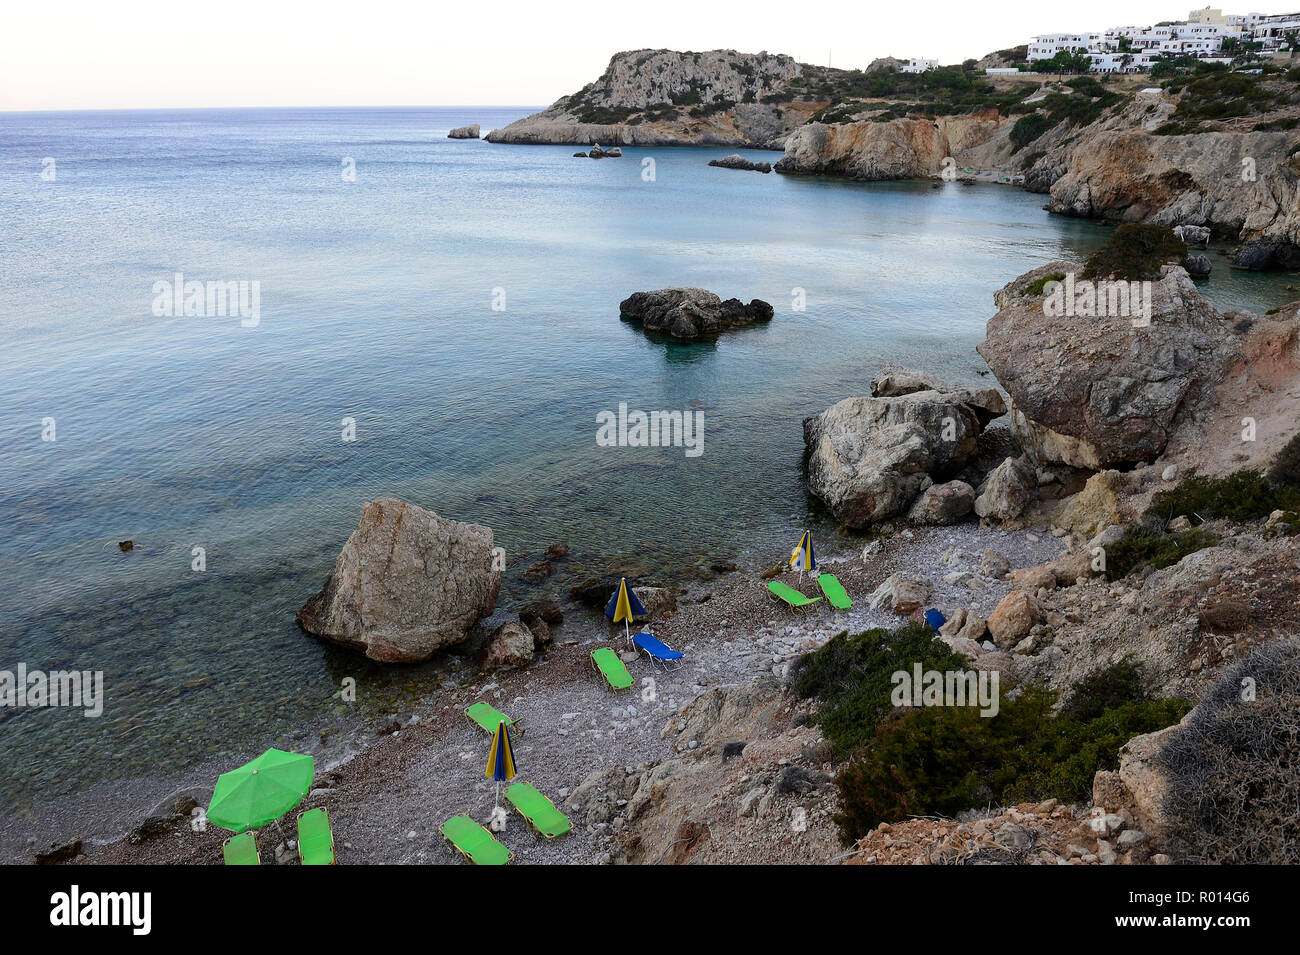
[690, 313]
[869, 458]
[1097, 392]
[898, 149]
[407, 584]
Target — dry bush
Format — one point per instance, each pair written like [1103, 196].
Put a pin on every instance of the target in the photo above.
[1234, 769]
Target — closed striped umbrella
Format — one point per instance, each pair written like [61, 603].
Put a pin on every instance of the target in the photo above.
[802, 556]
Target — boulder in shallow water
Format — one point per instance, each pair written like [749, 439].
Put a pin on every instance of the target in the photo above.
[511, 645]
[407, 584]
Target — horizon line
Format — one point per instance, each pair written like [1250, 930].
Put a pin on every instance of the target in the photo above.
[174, 109]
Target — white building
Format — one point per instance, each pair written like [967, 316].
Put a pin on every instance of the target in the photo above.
[918, 64]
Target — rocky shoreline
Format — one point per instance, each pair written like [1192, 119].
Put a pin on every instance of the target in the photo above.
[996, 525]
[1110, 152]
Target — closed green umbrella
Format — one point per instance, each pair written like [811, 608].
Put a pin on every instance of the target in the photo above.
[261, 791]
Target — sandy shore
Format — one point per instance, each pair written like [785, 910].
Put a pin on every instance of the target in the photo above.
[388, 800]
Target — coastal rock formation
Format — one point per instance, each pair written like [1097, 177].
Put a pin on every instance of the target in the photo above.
[1096, 392]
[905, 148]
[407, 584]
[690, 313]
[869, 458]
[899, 149]
[464, 132]
[666, 98]
[1242, 184]
[737, 161]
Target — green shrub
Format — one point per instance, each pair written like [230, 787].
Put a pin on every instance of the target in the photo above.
[1140, 547]
[943, 760]
[1105, 689]
[1028, 128]
[1245, 495]
[852, 678]
[1136, 250]
[1285, 469]
[1037, 285]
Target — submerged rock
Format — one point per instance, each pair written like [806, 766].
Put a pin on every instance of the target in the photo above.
[690, 313]
[407, 584]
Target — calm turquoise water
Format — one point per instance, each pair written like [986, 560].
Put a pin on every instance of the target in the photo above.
[376, 304]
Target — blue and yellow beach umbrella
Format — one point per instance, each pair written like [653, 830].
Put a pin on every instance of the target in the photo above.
[623, 606]
[501, 760]
[802, 556]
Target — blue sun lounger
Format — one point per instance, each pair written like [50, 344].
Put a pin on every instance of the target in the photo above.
[657, 650]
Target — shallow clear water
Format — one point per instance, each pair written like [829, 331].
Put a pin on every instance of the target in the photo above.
[376, 304]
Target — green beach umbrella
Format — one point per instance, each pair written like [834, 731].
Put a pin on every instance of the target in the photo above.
[261, 790]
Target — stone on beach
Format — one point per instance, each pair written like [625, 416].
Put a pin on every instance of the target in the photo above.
[407, 584]
[941, 504]
[869, 458]
[1008, 491]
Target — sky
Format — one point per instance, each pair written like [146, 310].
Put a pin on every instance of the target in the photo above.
[138, 54]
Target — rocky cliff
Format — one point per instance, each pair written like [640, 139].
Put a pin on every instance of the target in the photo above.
[665, 98]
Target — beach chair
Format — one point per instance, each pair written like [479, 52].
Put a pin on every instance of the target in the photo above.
[834, 591]
[488, 717]
[658, 651]
[538, 811]
[241, 850]
[474, 842]
[789, 596]
[611, 668]
[315, 838]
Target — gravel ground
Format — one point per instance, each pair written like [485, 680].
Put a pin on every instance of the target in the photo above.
[388, 800]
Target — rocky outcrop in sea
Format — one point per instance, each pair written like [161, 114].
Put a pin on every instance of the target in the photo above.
[691, 313]
[737, 161]
[464, 132]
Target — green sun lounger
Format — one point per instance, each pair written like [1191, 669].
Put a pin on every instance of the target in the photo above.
[241, 850]
[474, 842]
[315, 838]
[789, 596]
[489, 718]
[834, 591]
[538, 811]
[611, 668]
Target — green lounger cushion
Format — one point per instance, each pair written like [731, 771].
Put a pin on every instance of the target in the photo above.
[788, 594]
[611, 668]
[538, 810]
[489, 717]
[241, 850]
[834, 591]
[476, 843]
[315, 840]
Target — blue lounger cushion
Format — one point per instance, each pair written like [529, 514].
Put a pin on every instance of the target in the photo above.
[657, 649]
